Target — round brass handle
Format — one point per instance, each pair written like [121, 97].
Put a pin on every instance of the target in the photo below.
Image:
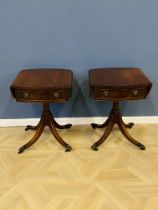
[135, 92]
[106, 92]
[26, 95]
[56, 95]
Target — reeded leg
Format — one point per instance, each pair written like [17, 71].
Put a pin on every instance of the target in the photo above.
[95, 125]
[30, 127]
[60, 126]
[38, 133]
[58, 138]
[105, 124]
[104, 136]
[128, 136]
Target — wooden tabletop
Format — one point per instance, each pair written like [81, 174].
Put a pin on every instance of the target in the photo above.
[118, 78]
[43, 79]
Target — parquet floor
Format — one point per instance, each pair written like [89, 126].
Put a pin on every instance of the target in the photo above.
[117, 177]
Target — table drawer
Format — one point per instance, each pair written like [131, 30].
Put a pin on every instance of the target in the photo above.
[124, 94]
[56, 95]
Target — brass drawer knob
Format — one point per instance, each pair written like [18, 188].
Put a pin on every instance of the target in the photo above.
[106, 92]
[56, 94]
[135, 92]
[26, 95]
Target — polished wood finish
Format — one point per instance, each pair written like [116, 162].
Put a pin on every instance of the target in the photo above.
[43, 86]
[117, 84]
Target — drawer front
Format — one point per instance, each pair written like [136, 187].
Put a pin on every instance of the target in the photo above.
[57, 95]
[120, 94]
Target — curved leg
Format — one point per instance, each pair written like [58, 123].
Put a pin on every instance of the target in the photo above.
[104, 136]
[38, 133]
[59, 126]
[58, 138]
[105, 124]
[30, 127]
[95, 125]
[128, 136]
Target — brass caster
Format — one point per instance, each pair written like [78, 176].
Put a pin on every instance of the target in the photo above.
[129, 125]
[142, 147]
[30, 127]
[93, 125]
[68, 125]
[94, 147]
[68, 148]
[21, 150]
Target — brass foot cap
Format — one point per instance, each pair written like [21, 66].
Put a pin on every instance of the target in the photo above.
[30, 127]
[93, 125]
[68, 125]
[68, 148]
[94, 147]
[142, 147]
[21, 150]
[130, 125]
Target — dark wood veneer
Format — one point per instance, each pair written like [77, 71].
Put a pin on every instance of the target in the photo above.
[117, 84]
[43, 86]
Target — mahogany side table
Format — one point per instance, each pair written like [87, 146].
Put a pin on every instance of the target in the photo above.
[117, 84]
[43, 86]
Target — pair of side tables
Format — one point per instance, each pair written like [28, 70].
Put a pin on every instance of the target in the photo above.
[55, 85]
